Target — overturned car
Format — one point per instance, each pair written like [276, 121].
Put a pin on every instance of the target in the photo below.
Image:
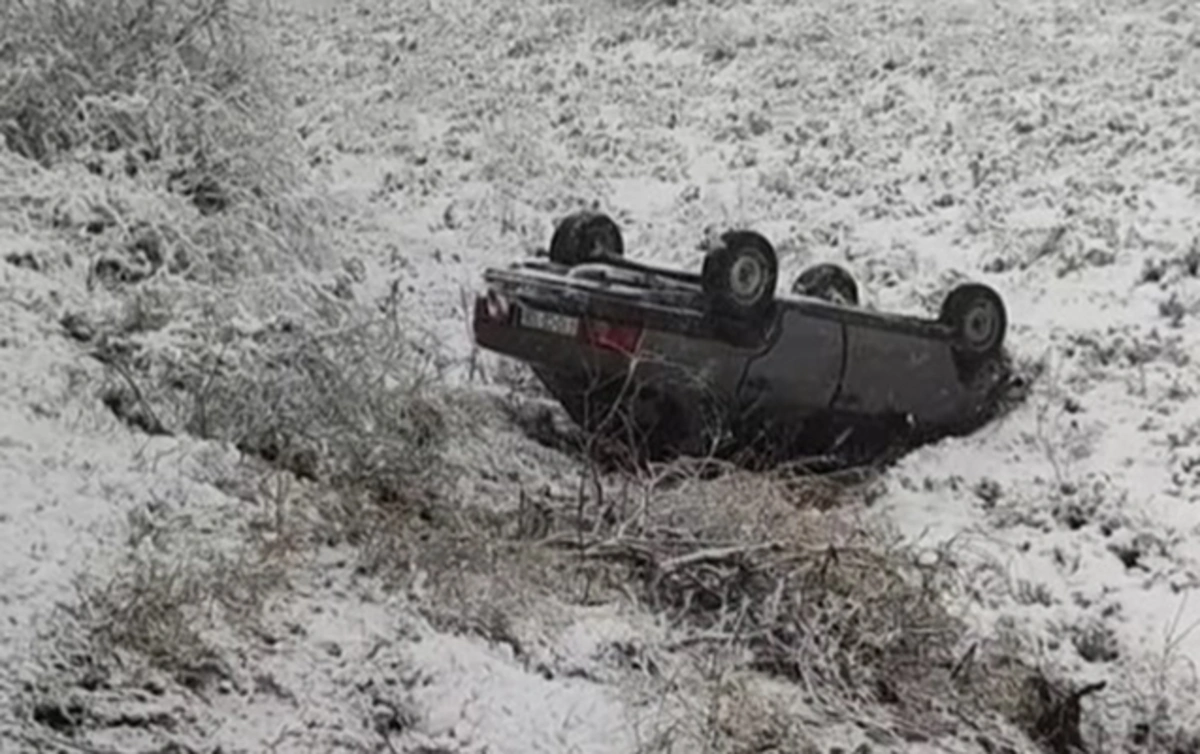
[671, 363]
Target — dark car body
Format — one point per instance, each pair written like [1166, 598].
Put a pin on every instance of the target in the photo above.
[639, 352]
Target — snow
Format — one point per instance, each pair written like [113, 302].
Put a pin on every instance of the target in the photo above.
[1073, 519]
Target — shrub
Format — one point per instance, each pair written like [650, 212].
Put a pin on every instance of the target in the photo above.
[345, 397]
[349, 407]
[159, 606]
[154, 80]
[177, 104]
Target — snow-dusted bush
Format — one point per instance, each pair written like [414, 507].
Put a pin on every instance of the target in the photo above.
[162, 132]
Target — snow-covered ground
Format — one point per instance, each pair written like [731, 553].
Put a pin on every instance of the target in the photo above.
[1049, 149]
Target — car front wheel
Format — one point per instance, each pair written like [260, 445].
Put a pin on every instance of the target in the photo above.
[740, 273]
[976, 314]
[585, 236]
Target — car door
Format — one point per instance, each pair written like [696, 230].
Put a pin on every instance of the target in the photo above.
[898, 370]
[799, 374]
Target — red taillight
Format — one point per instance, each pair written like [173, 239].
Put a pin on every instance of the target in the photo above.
[492, 307]
[611, 337]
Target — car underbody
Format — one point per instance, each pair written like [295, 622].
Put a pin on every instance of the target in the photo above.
[669, 363]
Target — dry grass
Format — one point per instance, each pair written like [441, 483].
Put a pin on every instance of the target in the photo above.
[156, 137]
[761, 576]
[152, 82]
[730, 710]
[160, 132]
[776, 571]
[158, 606]
[352, 408]
[169, 614]
[772, 565]
[345, 397]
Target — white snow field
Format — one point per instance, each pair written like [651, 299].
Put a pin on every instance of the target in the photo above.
[286, 506]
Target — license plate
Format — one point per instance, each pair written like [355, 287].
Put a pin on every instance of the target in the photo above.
[549, 322]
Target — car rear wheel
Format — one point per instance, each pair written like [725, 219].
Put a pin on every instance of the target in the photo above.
[585, 236]
[977, 315]
[740, 273]
[828, 282]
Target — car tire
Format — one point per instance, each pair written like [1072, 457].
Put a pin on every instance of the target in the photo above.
[740, 273]
[585, 236]
[828, 282]
[976, 314]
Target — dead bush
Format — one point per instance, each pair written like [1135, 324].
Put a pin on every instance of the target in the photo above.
[811, 596]
[158, 607]
[350, 408]
[775, 568]
[162, 131]
[346, 397]
[771, 569]
[153, 81]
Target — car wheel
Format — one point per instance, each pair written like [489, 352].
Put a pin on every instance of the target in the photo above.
[976, 314]
[740, 273]
[585, 236]
[828, 282]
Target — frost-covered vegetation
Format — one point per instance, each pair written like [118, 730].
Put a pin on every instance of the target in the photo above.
[263, 494]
